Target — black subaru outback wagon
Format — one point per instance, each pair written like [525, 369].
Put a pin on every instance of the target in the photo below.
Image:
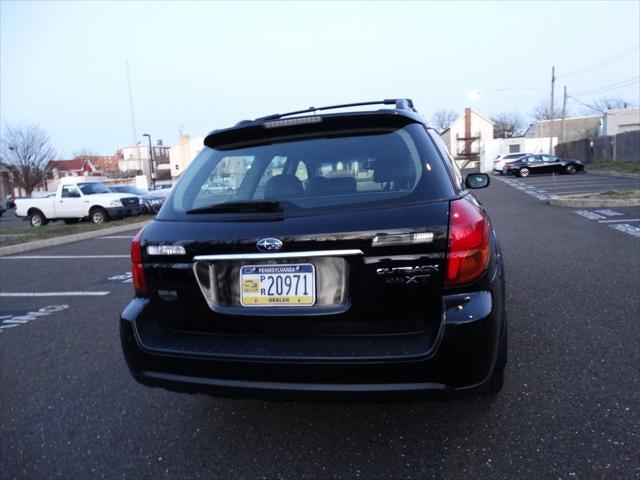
[320, 254]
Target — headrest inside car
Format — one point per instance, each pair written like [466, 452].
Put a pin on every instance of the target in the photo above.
[282, 187]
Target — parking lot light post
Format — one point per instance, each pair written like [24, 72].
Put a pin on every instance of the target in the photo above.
[152, 172]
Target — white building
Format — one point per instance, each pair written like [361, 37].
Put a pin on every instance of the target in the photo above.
[466, 136]
[620, 120]
[134, 158]
[181, 155]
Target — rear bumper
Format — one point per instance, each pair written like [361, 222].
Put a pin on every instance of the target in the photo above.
[461, 360]
[125, 211]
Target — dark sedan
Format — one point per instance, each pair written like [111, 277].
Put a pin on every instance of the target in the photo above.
[542, 163]
[152, 203]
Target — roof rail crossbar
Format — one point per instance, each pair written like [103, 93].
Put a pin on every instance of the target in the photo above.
[400, 104]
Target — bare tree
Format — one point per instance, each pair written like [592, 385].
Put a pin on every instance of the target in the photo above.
[507, 124]
[26, 151]
[443, 118]
[543, 112]
[607, 103]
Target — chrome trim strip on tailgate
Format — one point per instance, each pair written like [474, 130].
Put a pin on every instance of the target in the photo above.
[259, 256]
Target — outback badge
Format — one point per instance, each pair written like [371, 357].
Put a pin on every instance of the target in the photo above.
[269, 245]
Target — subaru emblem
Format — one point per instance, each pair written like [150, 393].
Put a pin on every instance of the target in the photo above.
[269, 245]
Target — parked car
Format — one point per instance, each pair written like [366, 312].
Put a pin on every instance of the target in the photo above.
[350, 258]
[151, 202]
[77, 198]
[499, 162]
[542, 163]
[162, 189]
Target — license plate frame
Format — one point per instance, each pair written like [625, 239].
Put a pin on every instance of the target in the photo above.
[306, 272]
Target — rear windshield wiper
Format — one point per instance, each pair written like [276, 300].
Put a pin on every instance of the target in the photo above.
[249, 206]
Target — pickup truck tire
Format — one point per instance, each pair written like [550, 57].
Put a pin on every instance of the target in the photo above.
[98, 215]
[37, 219]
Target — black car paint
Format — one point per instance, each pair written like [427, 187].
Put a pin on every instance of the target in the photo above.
[540, 163]
[390, 337]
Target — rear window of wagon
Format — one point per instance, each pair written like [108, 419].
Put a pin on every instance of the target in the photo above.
[367, 168]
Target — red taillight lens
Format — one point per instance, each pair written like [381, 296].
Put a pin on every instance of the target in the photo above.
[139, 281]
[468, 243]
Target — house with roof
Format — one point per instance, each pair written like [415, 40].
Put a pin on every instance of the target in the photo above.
[466, 136]
[78, 167]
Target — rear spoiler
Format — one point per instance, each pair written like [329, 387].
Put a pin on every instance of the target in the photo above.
[267, 131]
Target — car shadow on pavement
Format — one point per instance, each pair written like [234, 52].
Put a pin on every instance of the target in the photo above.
[333, 440]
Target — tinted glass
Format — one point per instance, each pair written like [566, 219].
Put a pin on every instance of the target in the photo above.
[93, 188]
[366, 169]
[126, 189]
[69, 191]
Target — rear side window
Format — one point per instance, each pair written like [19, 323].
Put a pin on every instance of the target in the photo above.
[367, 168]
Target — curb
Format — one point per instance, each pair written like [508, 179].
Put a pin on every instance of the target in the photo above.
[594, 203]
[613, 173]
[76, 237]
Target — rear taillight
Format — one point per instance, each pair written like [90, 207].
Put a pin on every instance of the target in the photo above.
[139, 281]
[468, 253]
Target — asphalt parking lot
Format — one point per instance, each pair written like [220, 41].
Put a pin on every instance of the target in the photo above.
[570, 407]
[550, 185]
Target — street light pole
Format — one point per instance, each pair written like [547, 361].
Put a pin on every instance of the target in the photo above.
[152, 172]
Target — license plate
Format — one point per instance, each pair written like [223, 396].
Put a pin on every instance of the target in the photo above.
[278, 285]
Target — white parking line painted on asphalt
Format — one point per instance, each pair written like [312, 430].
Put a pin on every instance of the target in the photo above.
[609, 213]
[126, 277]
[53, 294]
[620, 220]
[54, 257]
[625, 228]
[588, 214]
[116, 236]
[590, 185]
[10, 321]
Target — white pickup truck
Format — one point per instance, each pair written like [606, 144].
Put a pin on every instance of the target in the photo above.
[78, 198]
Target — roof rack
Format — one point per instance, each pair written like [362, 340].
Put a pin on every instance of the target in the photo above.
[400, 104]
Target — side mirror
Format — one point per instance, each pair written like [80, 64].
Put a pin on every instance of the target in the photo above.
[476, 180]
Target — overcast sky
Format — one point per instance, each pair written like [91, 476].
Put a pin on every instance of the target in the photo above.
[201, 66]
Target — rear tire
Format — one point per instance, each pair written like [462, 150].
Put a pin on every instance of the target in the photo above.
[569, 169]
[99, 216]
[523, 172]
[37, 219]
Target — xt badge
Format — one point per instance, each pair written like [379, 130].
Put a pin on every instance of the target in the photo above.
[407, 275]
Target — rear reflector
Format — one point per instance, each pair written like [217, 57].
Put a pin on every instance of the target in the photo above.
[468, 253]
[137, 270]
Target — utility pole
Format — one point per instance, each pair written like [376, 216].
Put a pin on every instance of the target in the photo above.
[133, 118]
[553, 83]
[564, 111]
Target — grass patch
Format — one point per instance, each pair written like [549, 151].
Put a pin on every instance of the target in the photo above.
[623, 167]
[616, 194]
[25, 234]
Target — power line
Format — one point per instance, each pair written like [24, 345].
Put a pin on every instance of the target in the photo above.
[582, 103]
[613, 58]
[606, 88]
